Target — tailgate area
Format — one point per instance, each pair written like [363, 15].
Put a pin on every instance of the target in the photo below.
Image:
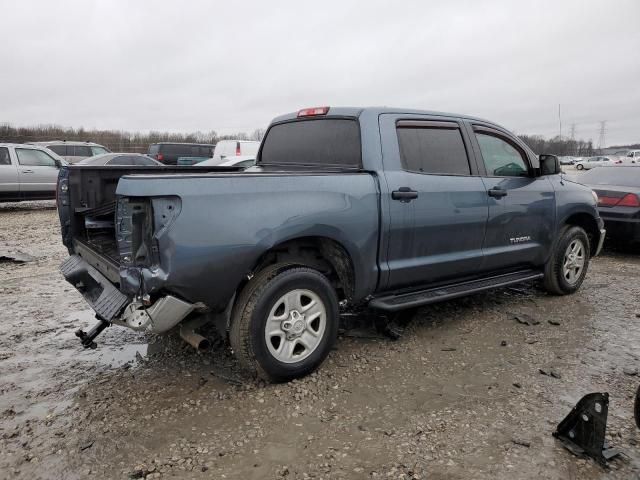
[96, 289]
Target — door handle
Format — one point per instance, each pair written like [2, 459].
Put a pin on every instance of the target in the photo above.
[404, 194]
[497, 192]
[27, 171]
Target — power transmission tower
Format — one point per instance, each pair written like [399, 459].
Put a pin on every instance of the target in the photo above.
[603, 134]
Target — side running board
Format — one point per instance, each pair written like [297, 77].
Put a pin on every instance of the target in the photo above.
[401, 301]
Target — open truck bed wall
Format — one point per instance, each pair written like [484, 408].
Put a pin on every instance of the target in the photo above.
[212, 223]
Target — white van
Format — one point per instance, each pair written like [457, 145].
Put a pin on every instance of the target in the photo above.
[233, 148]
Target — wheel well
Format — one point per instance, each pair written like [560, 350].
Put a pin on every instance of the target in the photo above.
[589, 224]
[322, 254]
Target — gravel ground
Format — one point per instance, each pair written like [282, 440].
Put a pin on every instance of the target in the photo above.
[459, 395]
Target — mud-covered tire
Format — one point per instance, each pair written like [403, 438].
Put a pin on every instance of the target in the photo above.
[255, 307]
[556, 280]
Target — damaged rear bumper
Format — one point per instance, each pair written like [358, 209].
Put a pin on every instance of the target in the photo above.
[112, 305]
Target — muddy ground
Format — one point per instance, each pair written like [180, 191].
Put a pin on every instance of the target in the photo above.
[460, 395]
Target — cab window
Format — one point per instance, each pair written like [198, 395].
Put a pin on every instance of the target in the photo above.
[34, 158]
[501, 158]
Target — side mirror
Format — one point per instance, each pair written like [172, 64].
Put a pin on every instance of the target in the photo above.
[549, 165]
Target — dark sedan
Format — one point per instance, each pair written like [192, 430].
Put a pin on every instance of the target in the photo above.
[618, 191]
[120, 159]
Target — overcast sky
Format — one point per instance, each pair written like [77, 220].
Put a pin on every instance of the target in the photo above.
[232, 66]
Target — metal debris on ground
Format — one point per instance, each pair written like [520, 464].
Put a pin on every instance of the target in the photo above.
[549, 372]
[582, 432]
[15, 257]
[525, 319]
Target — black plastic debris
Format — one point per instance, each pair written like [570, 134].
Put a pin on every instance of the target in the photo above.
[15, 257]
[525, 319]
[550, 372]
[582, 432]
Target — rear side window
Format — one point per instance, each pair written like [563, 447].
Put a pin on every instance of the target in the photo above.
[178, 150]
[59, 149]
[5, 159]
[154, 149]
[433, 150]
[79, 151]
[131, 160]
[328, 141]
[205, 152]
[34, 158]
[98, 150]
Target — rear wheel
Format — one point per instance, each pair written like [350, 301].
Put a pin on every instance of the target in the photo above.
[285, 322]
[580, 167]
[567, 267]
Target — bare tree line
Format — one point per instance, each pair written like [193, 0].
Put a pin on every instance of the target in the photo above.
[122, 141]
[558, 146]
[115, 140]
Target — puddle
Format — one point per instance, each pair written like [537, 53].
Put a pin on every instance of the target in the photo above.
[41, 377]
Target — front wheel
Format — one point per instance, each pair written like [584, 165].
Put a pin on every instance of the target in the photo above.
[580, 167]
[567, 267]
[285, 322]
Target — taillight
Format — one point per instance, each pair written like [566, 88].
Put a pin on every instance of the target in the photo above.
[629, 200]
[238, 153]
[607, 201]
[310, 112]
[159, 157]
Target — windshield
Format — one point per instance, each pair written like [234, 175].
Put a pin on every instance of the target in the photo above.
[622, 176]
[326, 141]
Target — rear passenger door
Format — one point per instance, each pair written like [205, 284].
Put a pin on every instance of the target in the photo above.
[521, 205]
[438, 203]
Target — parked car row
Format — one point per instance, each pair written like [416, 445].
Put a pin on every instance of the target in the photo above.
[29, 171]
[191, 153]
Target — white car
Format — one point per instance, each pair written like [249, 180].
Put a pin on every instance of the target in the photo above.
[239, 161]
[633, 157]
[28, 172]
[593, 162]
[235, 148]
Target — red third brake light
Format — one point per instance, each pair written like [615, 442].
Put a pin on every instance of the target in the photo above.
[311, 112]
[238, 153]
[629, 200]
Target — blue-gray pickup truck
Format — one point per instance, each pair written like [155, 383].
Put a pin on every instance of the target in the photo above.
[346, 208]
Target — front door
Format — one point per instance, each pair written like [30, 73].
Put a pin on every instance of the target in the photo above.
[37, 171]
[437, 202]
[521, 205]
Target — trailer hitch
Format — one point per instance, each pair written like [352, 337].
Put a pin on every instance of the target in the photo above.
[87, 338]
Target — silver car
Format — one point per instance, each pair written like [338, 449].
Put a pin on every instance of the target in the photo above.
[73, 152]
[28, 172]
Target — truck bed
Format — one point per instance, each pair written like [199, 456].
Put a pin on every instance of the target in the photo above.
[87, 209]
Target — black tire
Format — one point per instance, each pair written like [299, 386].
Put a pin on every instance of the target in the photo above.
[251, 311]
[555, 281]
[579, 167]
